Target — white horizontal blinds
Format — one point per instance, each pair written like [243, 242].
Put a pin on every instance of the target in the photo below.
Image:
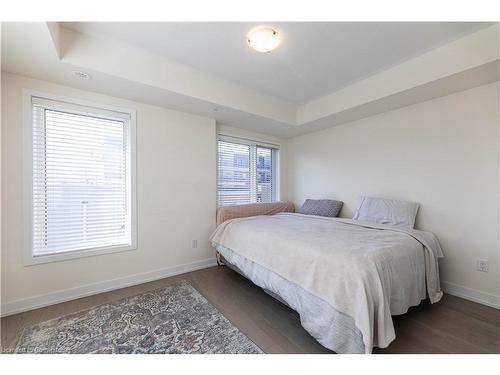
[245, 172]
[234, 185]
[80, 180]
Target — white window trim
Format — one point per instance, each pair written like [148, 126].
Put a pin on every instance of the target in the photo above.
[27, 152]
[251, 142]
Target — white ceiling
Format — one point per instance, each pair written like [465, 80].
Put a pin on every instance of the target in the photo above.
[46, 51]
[314, 59]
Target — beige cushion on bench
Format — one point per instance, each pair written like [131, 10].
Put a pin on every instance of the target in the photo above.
[253, 209]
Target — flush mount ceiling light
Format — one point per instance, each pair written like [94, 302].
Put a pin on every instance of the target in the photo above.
[263, 39]
[80, 75]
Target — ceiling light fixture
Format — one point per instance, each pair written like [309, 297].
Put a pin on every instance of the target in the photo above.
[80, 75]
[263, 39]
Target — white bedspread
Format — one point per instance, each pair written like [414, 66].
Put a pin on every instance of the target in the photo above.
[367, 271]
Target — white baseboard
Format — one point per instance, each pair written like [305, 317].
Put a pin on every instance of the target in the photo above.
[48, 299]
[36, 302]
[483, 298]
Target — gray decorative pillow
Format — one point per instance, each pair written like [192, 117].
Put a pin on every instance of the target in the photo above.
[321, 207]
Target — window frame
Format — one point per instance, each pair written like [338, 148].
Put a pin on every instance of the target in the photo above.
[27, 153]
[275, 155]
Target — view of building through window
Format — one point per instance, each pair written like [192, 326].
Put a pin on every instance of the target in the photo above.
[264, 175]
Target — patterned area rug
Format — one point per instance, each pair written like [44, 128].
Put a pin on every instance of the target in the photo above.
[174, 319]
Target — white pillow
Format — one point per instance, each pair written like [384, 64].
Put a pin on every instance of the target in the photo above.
[387, 211]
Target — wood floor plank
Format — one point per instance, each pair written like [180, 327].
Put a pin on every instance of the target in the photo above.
[453, 325]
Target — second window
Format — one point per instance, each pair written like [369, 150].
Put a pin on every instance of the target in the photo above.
[247, 172]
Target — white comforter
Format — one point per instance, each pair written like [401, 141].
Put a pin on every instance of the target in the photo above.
[367, 271]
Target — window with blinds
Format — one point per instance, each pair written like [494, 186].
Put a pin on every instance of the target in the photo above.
[81, 198]
[246, 172]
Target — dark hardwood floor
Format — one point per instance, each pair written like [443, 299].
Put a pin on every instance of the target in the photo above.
[453, 325]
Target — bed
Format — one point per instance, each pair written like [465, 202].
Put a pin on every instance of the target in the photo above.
[344, 277]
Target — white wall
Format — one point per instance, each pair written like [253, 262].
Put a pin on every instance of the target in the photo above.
[176, 163]
[443, 154]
